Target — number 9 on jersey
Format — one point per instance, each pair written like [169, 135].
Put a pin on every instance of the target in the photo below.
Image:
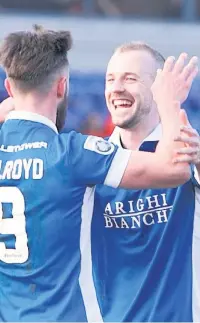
[16, 225]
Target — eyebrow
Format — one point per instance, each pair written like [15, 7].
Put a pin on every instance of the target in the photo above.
[125, 74]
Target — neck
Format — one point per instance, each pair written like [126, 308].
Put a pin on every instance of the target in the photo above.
[132, 138]
[42, 106]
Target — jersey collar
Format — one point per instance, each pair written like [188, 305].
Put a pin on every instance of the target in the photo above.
[155, 135]
[30, 116]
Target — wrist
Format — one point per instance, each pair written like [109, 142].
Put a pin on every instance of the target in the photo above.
[165, 104]
[169, 116]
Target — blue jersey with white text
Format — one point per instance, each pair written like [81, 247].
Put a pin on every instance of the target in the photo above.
[142, 251]
[45, 216]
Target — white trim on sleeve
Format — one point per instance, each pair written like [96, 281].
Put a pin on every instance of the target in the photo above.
[117, 167]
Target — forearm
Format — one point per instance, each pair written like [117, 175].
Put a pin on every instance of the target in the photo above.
[170, 120]
[155, 170]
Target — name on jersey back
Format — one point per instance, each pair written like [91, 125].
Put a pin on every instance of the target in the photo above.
[28, 168]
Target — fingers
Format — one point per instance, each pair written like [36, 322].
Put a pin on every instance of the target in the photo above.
[175, 80]
[188, 136]
[188, 140]
[169, 64]
[191, 68]
[188, 71]
[192, 76]
[180, 63]
[186, 159]
[191, 152]
[188, 150]
[189, 131]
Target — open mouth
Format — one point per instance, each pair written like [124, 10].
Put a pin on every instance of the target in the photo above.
[122, 103]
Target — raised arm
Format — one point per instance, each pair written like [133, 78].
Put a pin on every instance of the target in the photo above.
[170, 89]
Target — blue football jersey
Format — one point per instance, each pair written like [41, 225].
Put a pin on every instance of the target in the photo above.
[45, 219]
[144, 252]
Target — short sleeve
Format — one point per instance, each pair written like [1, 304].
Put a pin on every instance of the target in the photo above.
[93, 160]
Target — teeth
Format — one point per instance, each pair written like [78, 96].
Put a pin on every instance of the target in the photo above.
[122, 102]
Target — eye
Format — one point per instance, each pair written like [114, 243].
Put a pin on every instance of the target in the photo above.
[109, 79]
[131, 78]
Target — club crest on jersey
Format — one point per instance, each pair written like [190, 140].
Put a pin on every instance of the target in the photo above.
[99, 145]
[103, 146]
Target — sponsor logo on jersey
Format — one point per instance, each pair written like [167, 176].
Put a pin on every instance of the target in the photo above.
[29, 145]
[134, 214]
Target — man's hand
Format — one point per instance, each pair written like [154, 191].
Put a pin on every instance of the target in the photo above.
[190, 153]
[5, 107]
[174, 82]
[171, 88]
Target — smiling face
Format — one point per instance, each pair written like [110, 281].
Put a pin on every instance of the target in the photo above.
[130, 75]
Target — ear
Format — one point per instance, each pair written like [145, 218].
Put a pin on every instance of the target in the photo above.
[184, 118]
[8, 87]
[61, 88]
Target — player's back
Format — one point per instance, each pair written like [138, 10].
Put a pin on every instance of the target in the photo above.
[39, 229]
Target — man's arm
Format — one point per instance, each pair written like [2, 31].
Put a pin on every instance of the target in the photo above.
[144, 170]
[91, 160]
[149, 170]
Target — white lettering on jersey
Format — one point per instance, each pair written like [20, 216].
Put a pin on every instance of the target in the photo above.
[99, 145]
[31, 145]
[29, 168]
[153, 209]
[15, 225]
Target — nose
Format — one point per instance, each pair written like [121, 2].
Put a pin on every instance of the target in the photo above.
[117, 86]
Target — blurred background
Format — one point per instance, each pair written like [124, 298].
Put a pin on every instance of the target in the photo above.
[98, 27]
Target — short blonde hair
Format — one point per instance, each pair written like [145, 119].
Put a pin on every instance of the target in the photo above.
[134, 46]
